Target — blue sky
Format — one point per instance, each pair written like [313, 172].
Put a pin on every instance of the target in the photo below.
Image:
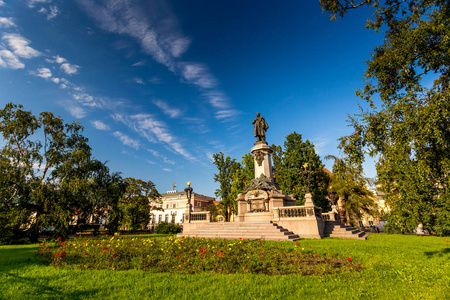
[160, 86]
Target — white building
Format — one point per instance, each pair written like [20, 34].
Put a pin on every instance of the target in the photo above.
[172, 207]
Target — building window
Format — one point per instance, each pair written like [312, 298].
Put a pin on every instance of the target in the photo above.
[159, 218]
[166, 218]
[199, 204]
[174, 205]
[167, 205]
[173, 218]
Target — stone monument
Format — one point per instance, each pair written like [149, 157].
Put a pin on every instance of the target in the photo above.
[261, 195]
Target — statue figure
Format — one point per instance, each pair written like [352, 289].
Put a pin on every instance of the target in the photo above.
[260, 128]
[306, 174]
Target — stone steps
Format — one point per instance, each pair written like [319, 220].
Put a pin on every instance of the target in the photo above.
[335, 229]
[254, 231]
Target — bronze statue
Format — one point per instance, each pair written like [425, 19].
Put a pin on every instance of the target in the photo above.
[260, 128]
[306, 174]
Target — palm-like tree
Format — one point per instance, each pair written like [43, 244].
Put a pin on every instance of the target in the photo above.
[352, 188]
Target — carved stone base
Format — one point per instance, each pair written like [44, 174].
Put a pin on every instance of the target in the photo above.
[263, 161]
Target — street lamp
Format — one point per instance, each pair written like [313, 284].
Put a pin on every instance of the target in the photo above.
[188, 191]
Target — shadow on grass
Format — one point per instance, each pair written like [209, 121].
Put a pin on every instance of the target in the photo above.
[15, 257]
[35, 286]
[440, 253]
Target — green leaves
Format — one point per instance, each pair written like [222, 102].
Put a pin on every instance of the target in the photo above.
[410, 134]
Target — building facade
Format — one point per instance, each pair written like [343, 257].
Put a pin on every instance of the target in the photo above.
[173, 205]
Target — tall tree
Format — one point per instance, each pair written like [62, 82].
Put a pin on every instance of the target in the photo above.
[353, 189]
[135, 203]
[44, 184]
[242, 176]
[410, 133]
[288, 164]
[227, 168]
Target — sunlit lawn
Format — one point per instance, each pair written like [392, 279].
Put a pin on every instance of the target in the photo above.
[395, 267]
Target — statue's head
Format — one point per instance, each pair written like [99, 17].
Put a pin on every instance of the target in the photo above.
[257, 114]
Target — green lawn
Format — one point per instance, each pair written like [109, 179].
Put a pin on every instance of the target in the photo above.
[395, 267]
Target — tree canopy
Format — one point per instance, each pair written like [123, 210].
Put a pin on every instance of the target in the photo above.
[409, 132]
[288, 162]
[50, 184]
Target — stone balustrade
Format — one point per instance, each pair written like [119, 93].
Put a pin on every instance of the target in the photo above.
[297, 212]
[204, 216]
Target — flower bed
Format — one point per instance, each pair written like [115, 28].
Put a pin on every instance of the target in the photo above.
[191, 255]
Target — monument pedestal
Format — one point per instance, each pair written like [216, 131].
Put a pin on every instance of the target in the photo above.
[263, 162]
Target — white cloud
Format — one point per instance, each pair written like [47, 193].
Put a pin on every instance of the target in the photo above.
[138, 80]
[167, 170]
[42, 72]
[55, 79]
[9, 60]
[171, 112]
[54, 11]
[126, 140]
[20, 47]
[32, 3]
[147, 125]
[150, 162]
[69, 68]
[139, 63]
[59, 59]
[155, 28]
[198, 74]
[6, 22]
[100, 125]
[63, 86]
[75, 110]
[2, 3]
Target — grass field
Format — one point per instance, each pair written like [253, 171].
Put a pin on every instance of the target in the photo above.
[395, 267]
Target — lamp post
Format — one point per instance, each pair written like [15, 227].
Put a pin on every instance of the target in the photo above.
[188, 191]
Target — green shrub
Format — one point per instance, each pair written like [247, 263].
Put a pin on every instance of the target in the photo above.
[168, 228]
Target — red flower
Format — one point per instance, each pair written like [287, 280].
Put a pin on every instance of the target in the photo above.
[56, 254]
[240, 238]
[193, 237]
[74, 257]
[105, 249]
[63, 253]
[182, 237]
[202, 255]
[104, 252]
[296, 243]
[349, 259]
[106, 235]
[115, 255]
[176, 256]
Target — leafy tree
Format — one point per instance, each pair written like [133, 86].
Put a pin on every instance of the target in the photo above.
[353, 189]
[135, 203]
[288, 164]
[410, 133]
[45, 184]
[227, 168]
[242, 176]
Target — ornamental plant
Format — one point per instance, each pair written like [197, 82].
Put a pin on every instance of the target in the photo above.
[191, 255]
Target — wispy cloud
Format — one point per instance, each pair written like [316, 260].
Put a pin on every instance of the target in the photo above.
[42, 72]
[9, 60]
[2, 3]
[139, 63]
[51, 12]
[74, 109]
[138, 80]
[155, 80]
[19, 45]
[167, 170]
[6, 22]
[150, 162]
[171, 112]
[32, 3]
[155, 27]
[198, 74]
[100, 125]
[126, 140]
[69, 68]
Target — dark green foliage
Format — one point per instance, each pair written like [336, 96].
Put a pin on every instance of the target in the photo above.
[135, 203]
[352, 187]
[288, 162]
[410, 133]
[243, 175]
[227, 167]
[52, 184]
[168, 228]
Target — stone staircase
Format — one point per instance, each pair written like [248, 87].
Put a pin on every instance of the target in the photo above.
[336, 229]
[245, 230]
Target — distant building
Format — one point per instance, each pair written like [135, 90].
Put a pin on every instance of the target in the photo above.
[172, 207]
